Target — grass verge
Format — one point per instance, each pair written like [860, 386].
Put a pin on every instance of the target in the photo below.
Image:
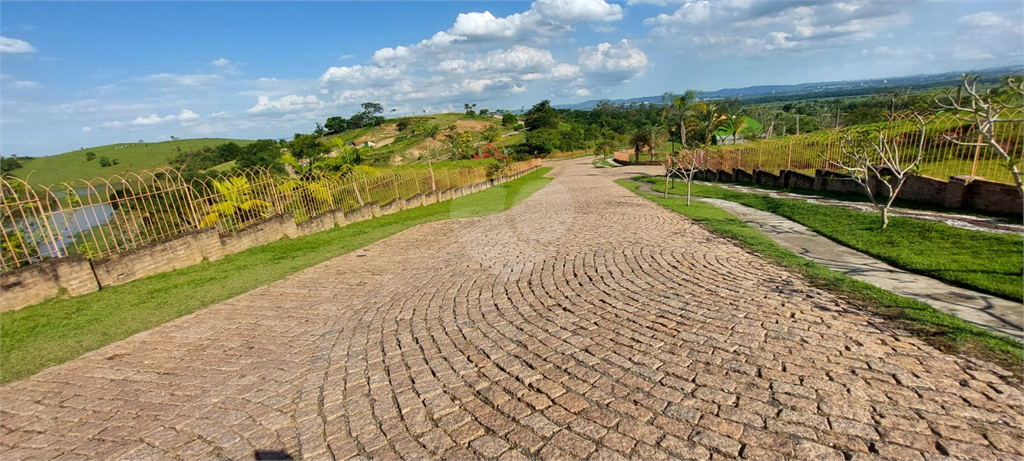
[943, 331]
[60, 330]
[981, 261]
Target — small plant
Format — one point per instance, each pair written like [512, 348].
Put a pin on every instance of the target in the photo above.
[237, 204]
[871, 153]
[87, 250]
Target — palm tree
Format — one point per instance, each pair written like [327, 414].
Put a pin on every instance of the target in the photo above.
[707, 120]
[656, 137]
[682, 105]
[639, 139]
[737, 122]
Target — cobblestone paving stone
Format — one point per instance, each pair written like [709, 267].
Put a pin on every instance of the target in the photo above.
[584, 323]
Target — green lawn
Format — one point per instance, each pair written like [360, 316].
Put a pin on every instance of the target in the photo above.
[990, 263]
[944, 331]
[72, 166]
[59, 330]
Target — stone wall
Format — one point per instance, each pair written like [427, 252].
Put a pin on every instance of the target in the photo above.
[168, 255]
[959, 192]
[74, 275]
[38, 282]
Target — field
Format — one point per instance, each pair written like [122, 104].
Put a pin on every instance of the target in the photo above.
[71, 166]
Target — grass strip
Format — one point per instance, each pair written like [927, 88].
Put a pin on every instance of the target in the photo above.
[943, 331]
[59, 330]
[981, 261]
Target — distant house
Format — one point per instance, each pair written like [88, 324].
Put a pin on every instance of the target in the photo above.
[369, 144]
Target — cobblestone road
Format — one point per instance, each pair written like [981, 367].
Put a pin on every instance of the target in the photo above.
[584, 323]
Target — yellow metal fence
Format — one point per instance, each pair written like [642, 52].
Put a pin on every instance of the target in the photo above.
[107, 216]
[942, 155]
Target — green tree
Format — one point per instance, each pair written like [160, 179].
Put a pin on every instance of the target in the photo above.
[9, 164]
[264, 152]
[639, 139]
[736, 123]
[706, 121]
[509, 119]
[491, 134]
[308, 147]
[372, 108]
[89, 156]
[228, 151]
[681, 108]
[540, 116]
[335, 125]
[105, 162]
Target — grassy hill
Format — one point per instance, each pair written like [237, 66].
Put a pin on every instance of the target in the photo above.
[394, 147]
[71, 166]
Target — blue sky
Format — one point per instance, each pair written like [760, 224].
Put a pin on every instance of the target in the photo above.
[86, 74]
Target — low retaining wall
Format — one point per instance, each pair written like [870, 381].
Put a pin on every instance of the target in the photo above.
[74, 275]
[959, 192]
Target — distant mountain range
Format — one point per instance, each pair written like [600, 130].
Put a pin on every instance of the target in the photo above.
[822, 89]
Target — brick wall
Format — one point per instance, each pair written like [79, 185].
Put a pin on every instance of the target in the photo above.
[120, 268]
[38, 282]
[992, 197]
[74, 275]
[959, 192]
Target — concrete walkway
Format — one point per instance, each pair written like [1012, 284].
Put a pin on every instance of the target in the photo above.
[984, 310]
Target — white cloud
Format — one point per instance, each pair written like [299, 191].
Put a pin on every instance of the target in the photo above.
[620, 61]
[752, 27]
[983, 19]
[183, 79]
[578, 10]
[222, 62]
[360, 75]
[290, 103]
[26, 85]
[13, 45]
[186, 117]
[488, 27]
[152, 119]
[544, 16]
[86, 129]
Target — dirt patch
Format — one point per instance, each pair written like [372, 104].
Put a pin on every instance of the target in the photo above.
[472, 125]
[379, 134]
[422, 147]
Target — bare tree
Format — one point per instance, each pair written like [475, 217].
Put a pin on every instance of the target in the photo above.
[986, 110]
[686, 164]
[867, 154]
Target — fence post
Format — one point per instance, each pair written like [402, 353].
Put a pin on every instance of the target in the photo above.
[192, 206]
[977, 150]
[789, 162]
[46, 222]
[358, 197]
